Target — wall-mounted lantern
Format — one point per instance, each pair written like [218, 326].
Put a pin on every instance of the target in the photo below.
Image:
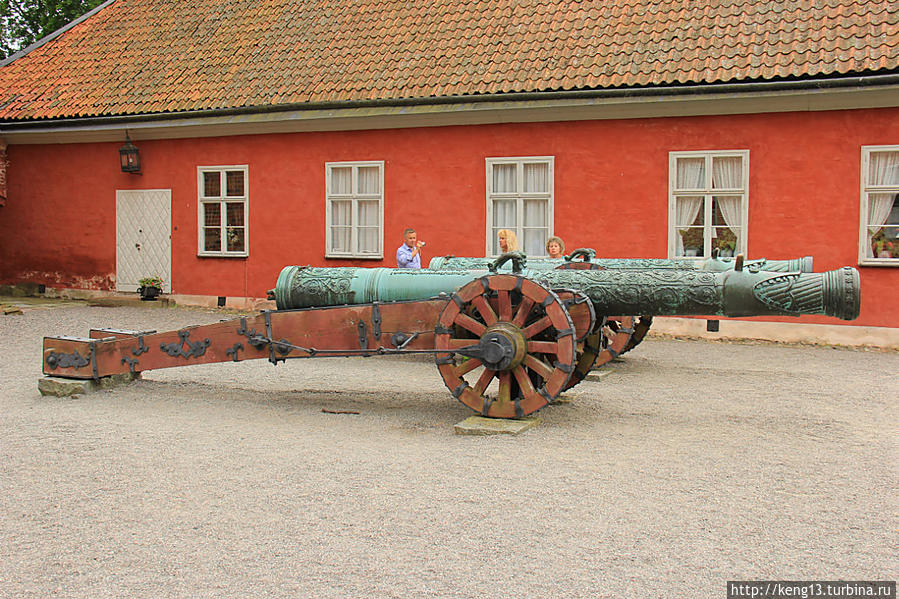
[129, 156]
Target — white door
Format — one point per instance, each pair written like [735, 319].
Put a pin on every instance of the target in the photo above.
[143, 237]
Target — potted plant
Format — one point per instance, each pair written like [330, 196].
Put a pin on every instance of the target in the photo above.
[150, 287]
[883, 248]
[726, 247]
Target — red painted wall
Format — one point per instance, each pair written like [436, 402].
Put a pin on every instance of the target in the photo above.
[611, 187]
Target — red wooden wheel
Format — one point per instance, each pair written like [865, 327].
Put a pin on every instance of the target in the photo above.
[640, 331]
[581, 311]
[587, 353]
[519, 341]
[618, 331]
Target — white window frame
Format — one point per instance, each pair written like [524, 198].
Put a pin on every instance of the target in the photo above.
[223, 200]
[520, 196]
[707, 192]
[865, 189]
[354, 196]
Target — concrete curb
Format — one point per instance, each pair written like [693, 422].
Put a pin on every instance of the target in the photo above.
[61, 387]
[478, 425]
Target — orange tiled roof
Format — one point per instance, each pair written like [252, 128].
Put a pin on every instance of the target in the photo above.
[157, 56]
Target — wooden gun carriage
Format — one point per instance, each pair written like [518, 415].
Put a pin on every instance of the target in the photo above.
[505, 343]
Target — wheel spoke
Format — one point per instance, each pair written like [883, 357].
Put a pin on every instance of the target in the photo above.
[505, 386]
[505, 305]
[540, 325]
[484, 381]
[524, 381]
[467, 322]
[467, 366]
[538, 366]
[543, 347]
[484, 310]
[524, 308]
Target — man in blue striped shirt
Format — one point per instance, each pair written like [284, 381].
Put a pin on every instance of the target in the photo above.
[408, 255]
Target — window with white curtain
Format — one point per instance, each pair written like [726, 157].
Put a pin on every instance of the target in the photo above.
[354, 195]
[879, 236]
[520, 199]
[223, 196]
[708, 203]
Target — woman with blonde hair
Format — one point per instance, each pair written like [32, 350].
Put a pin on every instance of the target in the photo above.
[508, 242]
[555, 247]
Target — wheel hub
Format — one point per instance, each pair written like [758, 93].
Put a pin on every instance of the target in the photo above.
[503, 345]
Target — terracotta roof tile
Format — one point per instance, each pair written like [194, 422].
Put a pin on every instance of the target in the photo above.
[148, 56]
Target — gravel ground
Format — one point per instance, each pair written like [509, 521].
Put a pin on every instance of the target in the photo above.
[692, 464]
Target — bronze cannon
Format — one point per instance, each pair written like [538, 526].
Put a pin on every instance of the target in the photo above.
[505, 343]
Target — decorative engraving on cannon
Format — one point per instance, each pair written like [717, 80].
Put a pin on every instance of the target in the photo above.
[320, 287]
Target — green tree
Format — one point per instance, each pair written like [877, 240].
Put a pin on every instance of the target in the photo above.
[23, 22]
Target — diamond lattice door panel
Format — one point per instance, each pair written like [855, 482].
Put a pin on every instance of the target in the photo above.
[143, 237]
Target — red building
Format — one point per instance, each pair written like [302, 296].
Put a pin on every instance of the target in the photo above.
[275, 133]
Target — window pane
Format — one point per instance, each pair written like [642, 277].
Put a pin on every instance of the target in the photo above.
[340, 239]
[212, 214]
[883, 168]
[342, 180]
[691, 241]
[886, 243]
[368, 240]
[688, 208]
[235, 239]
[726, 221]
[727, 172]
[535, 241]
[535, 213]
[234, 183]
[727, 240]
[341, 212]
[368, 213]
[504, 180]
[369, 180]
[893, 218]
[726, 211]
[235, 213]
[212, 239]
[505, 214]
[883, 225]
[690, 220]
[690, 173]
[536, 178]
[212, 185]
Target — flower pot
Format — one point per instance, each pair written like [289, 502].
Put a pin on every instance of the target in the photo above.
[884, 254]
[149, 293]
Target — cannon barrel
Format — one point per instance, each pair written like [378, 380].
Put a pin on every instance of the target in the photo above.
[664, 292]
[803, 264]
